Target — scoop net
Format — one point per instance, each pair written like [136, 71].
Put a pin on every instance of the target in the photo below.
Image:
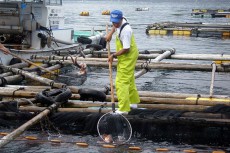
[114, 128]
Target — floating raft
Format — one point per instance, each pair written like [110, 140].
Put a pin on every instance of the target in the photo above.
[174, 117]
[211, 13]
[189, 29]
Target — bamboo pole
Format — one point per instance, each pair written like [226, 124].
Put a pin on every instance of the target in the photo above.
[65, 58]
[145, 97]
[30, 69]
[34, 77]
[25, 60]
[185, 107]
[10, 79]
[144, 100]
[208, 57]
[148, 51]
[20, 65]
[176, 95]
[6, 74]
[53, 67]
[8, 138]
[141, 93]
[14, 79]
[161, 65]
[194, 108]
[40, 79]
[110, 73]
[169, 66]
[195, 116]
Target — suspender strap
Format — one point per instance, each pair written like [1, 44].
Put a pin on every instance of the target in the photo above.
[122, 27]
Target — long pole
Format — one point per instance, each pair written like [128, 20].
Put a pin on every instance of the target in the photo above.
[8, 138]
[25, 60]
[110, 73]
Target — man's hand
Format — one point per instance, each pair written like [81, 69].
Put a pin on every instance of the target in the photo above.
[4, 49]
[110, 58]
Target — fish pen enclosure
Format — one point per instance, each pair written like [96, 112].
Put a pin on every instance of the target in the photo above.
[199, 29]
[211, 13]
[160, 116]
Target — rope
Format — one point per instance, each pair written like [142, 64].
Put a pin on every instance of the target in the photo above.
[52, 84]
[74, 61]
[197, 98]
[29, 101]
[3, 80]
[145, 66]
[19, 72]
[102, 106]
[99, 55]
[60, 63]
[21, 88]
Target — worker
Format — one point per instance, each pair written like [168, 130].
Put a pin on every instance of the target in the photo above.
[127, 54]
[4, 49]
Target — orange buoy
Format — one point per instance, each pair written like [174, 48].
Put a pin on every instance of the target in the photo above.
[82, 144]
[4, 133]
[190, 151]
[106, 12]
[55, 141]
[31, 138]
[162, 149]
[218, 151]
[108, 146]
[134, 148]
[84, 13]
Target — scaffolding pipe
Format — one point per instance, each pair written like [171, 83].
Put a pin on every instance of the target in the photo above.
[212, 79]
[159, 58]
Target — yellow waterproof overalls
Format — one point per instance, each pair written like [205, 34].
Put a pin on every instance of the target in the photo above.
[125, 81]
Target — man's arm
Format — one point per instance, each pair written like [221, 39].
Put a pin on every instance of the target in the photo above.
[4, 49]
[121, 52]
[110, 34]
[126, 39]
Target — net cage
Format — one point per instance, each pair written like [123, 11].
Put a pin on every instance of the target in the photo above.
[151, 124]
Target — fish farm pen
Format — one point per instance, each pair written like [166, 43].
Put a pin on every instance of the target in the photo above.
[161, 116]
[53, 77]
[211, 13]
[190, 29]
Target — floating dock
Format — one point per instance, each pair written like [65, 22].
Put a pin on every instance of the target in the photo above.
[160, 116]
[190, 29]
[211, 13]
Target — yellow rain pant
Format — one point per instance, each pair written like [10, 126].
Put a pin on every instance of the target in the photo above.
[125, 81]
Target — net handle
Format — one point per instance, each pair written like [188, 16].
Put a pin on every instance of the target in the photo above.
[110, 72]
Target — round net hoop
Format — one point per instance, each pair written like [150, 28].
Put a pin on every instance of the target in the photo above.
[114, 128]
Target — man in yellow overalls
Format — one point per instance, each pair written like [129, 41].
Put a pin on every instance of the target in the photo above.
[127, 54]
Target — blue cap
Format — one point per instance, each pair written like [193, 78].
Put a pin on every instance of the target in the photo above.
[116, 16]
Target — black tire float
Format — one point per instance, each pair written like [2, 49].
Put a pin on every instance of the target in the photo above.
[103, 42]
[15, 61]
[91, 94]
[84, 40]
[57, 95]
[95, 46]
